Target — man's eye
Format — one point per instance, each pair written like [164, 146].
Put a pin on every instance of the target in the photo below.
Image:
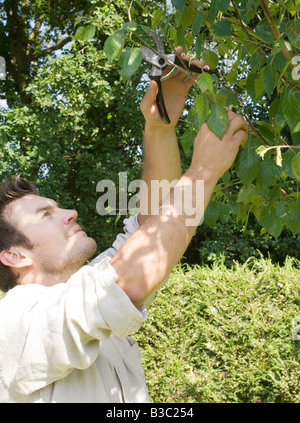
[46, 214]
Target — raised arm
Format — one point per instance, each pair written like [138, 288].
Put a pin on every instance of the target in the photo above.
[161, 153]
[157, 246]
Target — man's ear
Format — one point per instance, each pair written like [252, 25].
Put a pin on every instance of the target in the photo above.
[15, 257]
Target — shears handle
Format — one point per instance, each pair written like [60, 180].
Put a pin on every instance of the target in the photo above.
[160, 100]
[193, 68]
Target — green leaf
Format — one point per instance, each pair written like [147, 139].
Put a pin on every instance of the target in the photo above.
[187, 140]
[246, 193]
[287, 158]
[180, 40]
[89, 32]
[213, 11]
[274, 107]
[290, 109]
[223, 5]
[293, 7]
[231, 100]
[296, 166]
[85, 33]
[270, 221]
[278, 60]
[205, 82]
[212, 213]
[113, 46]
[129, 62]
[297, 127]
[202, 108]
[293, 212]
[267, 131]
[188, 16]
[199, 45]
[222, 28]
[220, 99]
[226, 178]
[253, 87]
[157, 17]
[267, 172]
[189, 40]
[198, 23]
[293, 31]
[132, 26]
[217, 120]
[283, 72]
[247, 161]
[269, 79]
[259, 86]
[256, 61]
[178, 4]
[211, 58]
[264, 30]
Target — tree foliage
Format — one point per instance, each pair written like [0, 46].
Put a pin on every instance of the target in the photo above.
[30, 31]
[75, 78]
[82, 124]
[254, 43]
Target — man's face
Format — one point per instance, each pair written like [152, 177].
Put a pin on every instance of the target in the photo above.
[60, 245]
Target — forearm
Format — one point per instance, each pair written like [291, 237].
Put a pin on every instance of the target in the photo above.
[152, 252]
[161, 162]
[162, 158]
[155, 248]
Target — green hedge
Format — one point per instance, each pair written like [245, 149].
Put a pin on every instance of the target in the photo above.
[216, 334]
[231, 241]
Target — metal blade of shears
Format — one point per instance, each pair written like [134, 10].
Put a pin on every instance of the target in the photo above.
[158, 41]
[147, 54]
[156, 72]
[158, 64]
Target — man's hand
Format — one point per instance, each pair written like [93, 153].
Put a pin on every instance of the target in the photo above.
[215, 156]
[175, 91]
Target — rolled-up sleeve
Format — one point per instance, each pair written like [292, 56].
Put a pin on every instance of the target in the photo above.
[130, 226]
[64, 325]
[116, 307]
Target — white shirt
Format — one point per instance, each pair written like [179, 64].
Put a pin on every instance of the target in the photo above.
[70, 342]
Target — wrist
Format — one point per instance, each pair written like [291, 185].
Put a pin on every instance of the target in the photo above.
[202, 173]
[159, 130]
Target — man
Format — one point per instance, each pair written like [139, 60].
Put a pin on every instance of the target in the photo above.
[65, 326]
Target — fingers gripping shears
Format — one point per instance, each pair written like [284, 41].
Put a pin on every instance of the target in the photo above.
[159, 61]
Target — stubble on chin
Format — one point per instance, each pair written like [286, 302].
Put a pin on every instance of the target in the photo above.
[92, 248]
[62, 265]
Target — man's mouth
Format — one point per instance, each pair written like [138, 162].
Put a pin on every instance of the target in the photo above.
[76, 230]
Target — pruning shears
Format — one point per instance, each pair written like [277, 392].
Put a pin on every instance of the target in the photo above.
[159, 61]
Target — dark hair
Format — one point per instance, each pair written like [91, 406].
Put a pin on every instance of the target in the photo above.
[11, 190]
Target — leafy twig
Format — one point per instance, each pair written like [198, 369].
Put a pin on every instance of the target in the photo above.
[244, 27]
[274, 27]
[128, 10]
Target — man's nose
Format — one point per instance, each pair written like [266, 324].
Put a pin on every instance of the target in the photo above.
[69, 216]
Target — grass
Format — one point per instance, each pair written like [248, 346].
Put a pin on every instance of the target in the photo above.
[217, 335]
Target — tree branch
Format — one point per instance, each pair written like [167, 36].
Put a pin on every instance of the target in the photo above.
[57, 46]
[274, 27]
[36, 29]
[128, 10]
[244, 27]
